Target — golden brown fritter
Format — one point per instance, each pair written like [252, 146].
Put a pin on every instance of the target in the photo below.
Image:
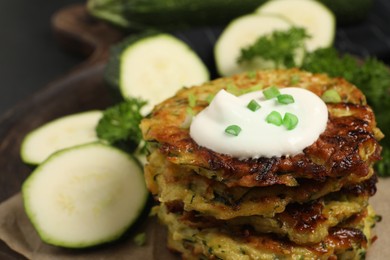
[170, 182]
[348, 146]
[313, 205]
[348, 240]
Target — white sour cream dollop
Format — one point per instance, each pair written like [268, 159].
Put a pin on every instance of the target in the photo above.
[257, 137]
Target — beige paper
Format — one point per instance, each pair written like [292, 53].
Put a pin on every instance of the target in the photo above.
[17, 232]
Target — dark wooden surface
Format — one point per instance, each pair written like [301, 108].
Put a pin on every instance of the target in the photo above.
[81, 89]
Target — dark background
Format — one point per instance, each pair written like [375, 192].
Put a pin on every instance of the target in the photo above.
[30, 58]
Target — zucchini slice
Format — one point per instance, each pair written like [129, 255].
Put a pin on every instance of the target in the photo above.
[58, 134]
[153, 66]
[85, 195]
[315, 17]
[240, 33]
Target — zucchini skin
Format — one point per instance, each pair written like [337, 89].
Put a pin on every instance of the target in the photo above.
[169, 14]
[135, 15]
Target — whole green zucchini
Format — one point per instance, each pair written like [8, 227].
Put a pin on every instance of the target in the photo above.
[169, 14]
[178, 14]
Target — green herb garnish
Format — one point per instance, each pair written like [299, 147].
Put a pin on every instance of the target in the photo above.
[253, 105]
[233, 89]
[191, 100]
[285, 99]
[294, 79]
[120, 124]
[210, 98]
[279, 47]
[233, 130]
[274, 118]
[188, 119]
[290, 121]
[271, 92]
[251, 74]
[190, 111]
[140, 239]
[251, 89]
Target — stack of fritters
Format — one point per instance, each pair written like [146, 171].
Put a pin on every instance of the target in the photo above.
[313, 205]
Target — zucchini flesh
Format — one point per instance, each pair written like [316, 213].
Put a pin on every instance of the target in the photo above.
[84, 195]
[316, 18]
[240, 33]
[153, 66]
[58, 134]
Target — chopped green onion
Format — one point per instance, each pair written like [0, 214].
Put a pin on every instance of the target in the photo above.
[285, 99]
[331, 96]
[251, 74]
[187, 120]
[294, 79]
[210, 98]
[274, 118]
[140, 239]
[290, 121]
[271, 92]
[233, 130]
[191, 100]
[190, 111]
[253, 105]
[251, 89]
[233, 89]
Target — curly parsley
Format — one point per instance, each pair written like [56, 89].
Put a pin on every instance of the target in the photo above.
[279, 47]
[120, 123]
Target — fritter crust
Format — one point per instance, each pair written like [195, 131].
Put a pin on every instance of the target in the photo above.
[349, 145]
[170, 182]
[349, 239]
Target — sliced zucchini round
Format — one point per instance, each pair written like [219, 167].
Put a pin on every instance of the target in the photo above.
[153, 67]
[315, 17]
[58, 134]
[85, 195]
[240, 33]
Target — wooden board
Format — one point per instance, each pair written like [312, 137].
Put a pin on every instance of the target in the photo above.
[81, 89]
[77, 92]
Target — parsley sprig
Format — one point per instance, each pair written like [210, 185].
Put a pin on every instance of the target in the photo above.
[279, 47]
[120, 124]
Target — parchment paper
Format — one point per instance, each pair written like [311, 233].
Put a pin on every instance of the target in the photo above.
[17, 232]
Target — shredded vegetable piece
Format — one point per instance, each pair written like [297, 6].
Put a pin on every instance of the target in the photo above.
[331, 96]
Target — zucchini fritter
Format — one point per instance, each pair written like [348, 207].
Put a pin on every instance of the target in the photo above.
[348, 240]
[348, 146]
[313, 205]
